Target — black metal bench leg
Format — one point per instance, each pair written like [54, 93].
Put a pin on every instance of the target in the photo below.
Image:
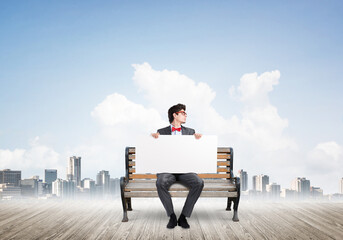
[129, 208]
[123, 199]
[229, 201]
[236, 201]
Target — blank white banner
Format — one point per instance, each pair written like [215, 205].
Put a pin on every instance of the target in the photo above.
[176, 154]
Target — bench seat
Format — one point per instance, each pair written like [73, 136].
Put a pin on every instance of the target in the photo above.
[219, 184]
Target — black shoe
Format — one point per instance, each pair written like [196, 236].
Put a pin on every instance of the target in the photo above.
[183, 221]
[172, 221]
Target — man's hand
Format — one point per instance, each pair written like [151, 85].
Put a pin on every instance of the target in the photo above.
[155, 135]
[197, 135]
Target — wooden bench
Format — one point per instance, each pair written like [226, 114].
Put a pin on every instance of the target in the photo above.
[220, 184]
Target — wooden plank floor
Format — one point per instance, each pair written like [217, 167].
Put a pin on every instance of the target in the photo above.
[41, 219]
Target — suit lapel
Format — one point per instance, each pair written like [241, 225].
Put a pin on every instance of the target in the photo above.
[168, 130]
[183, 130]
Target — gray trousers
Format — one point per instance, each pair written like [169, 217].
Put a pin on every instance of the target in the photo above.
[190, 180]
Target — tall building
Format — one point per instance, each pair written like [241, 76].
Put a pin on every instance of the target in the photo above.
[316, 192]
[29, 187]
[103, 181]
[63, 188]
[88, 185]
[288, 194]
[273, 190]
[301, 186]
[261, 182]
[115, 186]
[11, 177]
[341, 186]
[74, 170]
[254, 183]
[50, 175]
[243, 175]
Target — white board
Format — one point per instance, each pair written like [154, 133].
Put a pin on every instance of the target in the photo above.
[176, 154]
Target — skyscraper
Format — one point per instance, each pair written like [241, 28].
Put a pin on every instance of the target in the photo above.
[8, 176]
[29, 187]
[254, 182]
[316, 192]
[244, 179]
[74, 170]
[103, 181]
[63, 188]
[302, 186]
[273, 190]
[50, 175]
[261, 182]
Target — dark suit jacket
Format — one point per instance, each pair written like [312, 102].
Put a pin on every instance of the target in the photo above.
[184, 130]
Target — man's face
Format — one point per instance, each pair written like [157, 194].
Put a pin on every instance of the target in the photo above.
[180, 116]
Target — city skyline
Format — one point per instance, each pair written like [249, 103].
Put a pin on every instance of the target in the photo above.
[258, 182]
[87, 79]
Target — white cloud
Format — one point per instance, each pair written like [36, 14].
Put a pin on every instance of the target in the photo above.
[324, 164]
[121, 117]
[166, 88]
[325, 157]
[260, 122]
[254, 89]
[32, 160]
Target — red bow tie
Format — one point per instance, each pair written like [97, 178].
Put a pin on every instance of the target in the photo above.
[176, 129]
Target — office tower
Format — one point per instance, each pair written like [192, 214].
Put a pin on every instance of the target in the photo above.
[316, 192]
[74, 170]
[63, 188]
[261, 182]
[57, 187]
[288, 194]
[244, 179]
[29, 187]
[103, 181]
[115, 186]
[50, 175]
[89, 186]
[88, 183]
[273, 190]
[254, 183]
[341, 186]
[302, 186]
[11, 177]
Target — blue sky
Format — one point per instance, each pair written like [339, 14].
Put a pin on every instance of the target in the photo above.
[59, 60]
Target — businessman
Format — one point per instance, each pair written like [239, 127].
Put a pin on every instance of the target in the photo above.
[177, 116]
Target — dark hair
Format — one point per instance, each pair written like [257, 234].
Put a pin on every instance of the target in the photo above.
[175, 109]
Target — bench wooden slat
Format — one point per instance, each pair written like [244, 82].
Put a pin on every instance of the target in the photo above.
[219, 163]
[219, 156]
[151, 186]
[181, 194]
[223, 163]
[201, 175]
[206, 180]
[133, 170]
[132, 150]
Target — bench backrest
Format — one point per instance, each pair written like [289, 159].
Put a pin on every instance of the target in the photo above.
[224, 165]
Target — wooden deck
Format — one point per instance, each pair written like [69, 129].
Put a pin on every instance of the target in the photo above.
[41, 219]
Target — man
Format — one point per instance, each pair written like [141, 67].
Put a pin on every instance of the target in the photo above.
[177, 116]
